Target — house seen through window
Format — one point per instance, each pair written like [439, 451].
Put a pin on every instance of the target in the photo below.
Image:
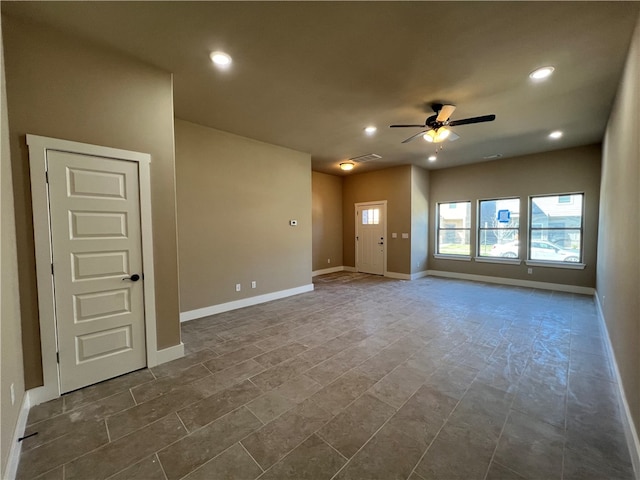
[555, 228]
[454, 228]
[498, 228]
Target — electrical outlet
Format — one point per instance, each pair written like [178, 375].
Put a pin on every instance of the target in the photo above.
[328, 260]
[529, 271]
[254, 284]
[238, 287]
[13, 394]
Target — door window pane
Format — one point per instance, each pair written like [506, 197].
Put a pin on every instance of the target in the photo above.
[371, 216]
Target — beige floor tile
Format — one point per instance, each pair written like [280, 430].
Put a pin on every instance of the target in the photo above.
[273, 441]
[211, 408]
[312, 460]
[198, 448]
[350, 430]
[233, 464]
[118, 455]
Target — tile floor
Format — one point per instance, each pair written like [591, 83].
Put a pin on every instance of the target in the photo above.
[364, 378]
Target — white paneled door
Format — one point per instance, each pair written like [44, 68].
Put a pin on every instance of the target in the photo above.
[370, 238]
[97, 267]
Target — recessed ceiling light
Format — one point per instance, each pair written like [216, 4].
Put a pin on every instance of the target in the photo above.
[432, 158]
[370, 130]
[221, 59]
[346, 166]
[555, 135]
[541, 73]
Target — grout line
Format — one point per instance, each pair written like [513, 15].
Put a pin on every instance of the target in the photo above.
[317, 433]
[493, 455]
[182, 423]
[161, 466]
[106, 426]
[254, 460]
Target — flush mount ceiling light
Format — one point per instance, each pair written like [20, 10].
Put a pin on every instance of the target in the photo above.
[555, 135]
[541, 73]
[221, 59]
[432, 158]
[437, 135]
[370, 130]
[346, 166]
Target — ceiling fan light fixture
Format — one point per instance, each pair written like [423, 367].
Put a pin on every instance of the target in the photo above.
[346, 166]
[437, 135]
[221, 59]
[541, 73]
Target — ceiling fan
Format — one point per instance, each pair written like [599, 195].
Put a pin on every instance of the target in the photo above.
[437, 126]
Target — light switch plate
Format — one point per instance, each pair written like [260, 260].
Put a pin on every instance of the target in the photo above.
[405, 235]
[394, 235]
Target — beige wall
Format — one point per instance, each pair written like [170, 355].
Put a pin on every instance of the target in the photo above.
[62, 87]
[419, 219]
[11, 347]
[235, 199]
[326, 191]
[560, 171]
[618, 285]
[393, 185]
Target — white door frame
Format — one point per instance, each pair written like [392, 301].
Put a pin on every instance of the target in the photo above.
[384, 227]
[38, 147]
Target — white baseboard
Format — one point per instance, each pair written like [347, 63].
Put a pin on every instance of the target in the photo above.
[559, 287]
[245, 302]
[324, 271]
[170, 353]
[14, 453]
[397, 276]
[630, 431]
[417, 275]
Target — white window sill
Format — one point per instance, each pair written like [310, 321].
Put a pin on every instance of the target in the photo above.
[567, 265]
[462, 258]
[505, 261]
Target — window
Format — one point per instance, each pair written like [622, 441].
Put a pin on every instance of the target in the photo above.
[371, 216]
[454, 222]
[498, 224]
[555, 231]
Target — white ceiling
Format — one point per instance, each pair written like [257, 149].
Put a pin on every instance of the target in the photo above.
[311, 75]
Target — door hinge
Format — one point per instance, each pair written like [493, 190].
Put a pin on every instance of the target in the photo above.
[46, 176]
[58, 357]
[52, 269]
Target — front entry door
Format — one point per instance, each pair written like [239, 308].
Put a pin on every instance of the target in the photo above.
[370, 241]
[97, 258]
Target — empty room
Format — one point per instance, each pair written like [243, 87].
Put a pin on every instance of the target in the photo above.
[320, 240]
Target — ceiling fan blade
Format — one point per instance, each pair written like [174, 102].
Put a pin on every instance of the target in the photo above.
[445, 113]
[413, 136]
[403, 126]
[467, 121]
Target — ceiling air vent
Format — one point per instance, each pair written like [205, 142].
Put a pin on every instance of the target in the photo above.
[492, 157]
[365, 158]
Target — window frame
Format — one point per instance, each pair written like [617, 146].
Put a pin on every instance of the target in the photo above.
[479, 229]
[452, 256]
[580, 265]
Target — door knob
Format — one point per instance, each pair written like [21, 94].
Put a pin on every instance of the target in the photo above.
[134, 278]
